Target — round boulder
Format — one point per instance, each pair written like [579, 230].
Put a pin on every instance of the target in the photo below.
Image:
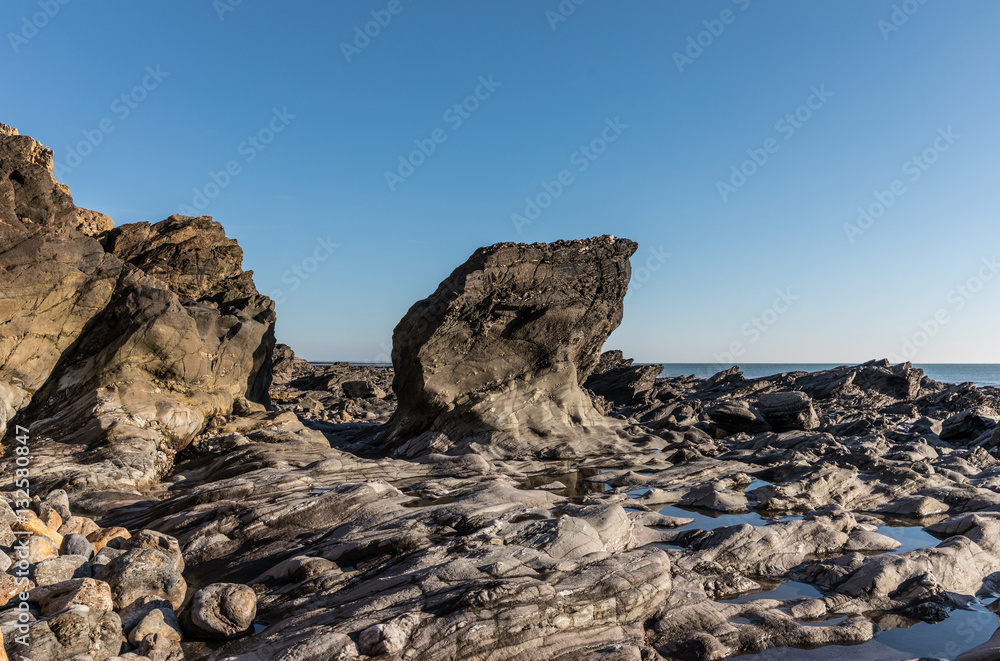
[223, 610]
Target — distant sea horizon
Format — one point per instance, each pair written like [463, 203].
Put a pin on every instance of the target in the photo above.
[981, 374]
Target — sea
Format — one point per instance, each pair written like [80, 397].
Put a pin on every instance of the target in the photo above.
[981, 374]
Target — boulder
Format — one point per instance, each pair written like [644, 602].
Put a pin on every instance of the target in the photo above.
[143, 572]
[737, 416]
[361, 390]
[788, 411]
[223, 610]
[63, 568]
[88, 592]
[78, 630]
[969, 424]
[624, 385]
[494, 360]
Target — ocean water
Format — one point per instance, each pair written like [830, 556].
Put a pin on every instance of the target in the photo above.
[979, 374]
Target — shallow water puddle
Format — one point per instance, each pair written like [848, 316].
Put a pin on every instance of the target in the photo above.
[575, 481]
[709, 522]
[961, 631]
[783, 592]
[910, 538]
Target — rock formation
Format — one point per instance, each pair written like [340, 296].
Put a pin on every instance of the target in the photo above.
[117, 350]
[494, 360]
[701, 520]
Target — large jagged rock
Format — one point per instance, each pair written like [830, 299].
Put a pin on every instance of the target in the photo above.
[494, 360]
[117, 352]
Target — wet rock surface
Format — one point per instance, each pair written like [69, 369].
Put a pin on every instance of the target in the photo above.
[203, 495]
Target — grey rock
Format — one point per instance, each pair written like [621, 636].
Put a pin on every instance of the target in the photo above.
[143, 572]
[223, 609]
[151, 539]
[362, 389]
[969, 424]
[547, 309]
[63, 568]
[74, 544]
[78, 630]
[787, 411]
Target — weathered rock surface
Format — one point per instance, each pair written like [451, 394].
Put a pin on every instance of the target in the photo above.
[493, 361]
[871, 490]
[223, 610]
[117, 352]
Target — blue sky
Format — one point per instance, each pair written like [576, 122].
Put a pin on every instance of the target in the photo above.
[147, 105]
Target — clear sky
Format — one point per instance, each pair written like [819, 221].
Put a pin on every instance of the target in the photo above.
[287, 123]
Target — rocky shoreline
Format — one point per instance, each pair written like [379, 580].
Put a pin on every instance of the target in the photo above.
[504, 491]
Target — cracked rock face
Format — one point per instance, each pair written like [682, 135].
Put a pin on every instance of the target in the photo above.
[117, 351]
[494, 360]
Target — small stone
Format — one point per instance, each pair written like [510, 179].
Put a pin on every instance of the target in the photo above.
[157, 647]
[41, 548]
[80, 525]
[63, 568]
[78, 592]
[160, 621]
[103, 537]
[35, 526]
[59, 500]
[76, 544]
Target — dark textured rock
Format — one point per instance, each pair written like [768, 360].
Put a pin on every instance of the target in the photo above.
[495, 358]
[623, 384]
[787, 411]
[969, 424]
[157, 647]
[362, 390]
[738, 416]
